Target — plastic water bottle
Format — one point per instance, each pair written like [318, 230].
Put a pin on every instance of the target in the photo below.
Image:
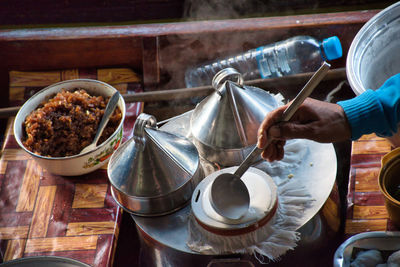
[298, 54]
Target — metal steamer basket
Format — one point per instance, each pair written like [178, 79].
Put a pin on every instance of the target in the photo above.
[163, 238]
[224, 125]
[155, 172]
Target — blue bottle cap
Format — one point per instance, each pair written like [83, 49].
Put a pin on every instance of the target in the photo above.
[332, 48]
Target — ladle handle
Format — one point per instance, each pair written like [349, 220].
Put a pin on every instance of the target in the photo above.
[288, 113]
[306, 91]
[247, 161]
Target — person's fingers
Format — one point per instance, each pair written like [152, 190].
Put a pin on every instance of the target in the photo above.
[292, 130]
[274, 151]
[280, 152]
[266, 153]
[312, 131]
[261, 138]
[270, 119]
[275, 132]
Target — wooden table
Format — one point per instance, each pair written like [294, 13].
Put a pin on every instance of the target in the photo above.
[365, 209]
[45, 214]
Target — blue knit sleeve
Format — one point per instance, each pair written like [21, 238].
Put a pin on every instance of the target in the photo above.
[375, 111]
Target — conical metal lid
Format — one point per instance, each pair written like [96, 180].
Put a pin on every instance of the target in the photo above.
[229, 118]
[153, 163]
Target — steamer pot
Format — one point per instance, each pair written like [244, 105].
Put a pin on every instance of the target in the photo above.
[224, 125]
[155, 172]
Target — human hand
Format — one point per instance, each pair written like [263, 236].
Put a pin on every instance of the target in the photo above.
[315, 120]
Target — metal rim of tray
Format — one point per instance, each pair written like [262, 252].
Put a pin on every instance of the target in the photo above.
[171, 230]
[341, 260]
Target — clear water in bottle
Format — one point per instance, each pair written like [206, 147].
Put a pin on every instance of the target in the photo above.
[295, 55]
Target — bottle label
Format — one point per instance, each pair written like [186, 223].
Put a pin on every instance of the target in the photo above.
[272, 62]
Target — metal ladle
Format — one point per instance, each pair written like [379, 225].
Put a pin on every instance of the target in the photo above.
[111, 105]
[229, 194]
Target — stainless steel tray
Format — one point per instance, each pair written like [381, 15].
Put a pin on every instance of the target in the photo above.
[371, 240]
[319, 179]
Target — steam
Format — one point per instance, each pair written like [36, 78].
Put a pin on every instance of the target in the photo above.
[231, 9]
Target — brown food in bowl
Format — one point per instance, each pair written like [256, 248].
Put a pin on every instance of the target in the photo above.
[66, 123]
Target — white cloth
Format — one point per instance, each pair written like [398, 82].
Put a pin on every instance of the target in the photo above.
[279, 235]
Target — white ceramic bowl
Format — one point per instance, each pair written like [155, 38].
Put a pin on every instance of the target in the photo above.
[77, 164]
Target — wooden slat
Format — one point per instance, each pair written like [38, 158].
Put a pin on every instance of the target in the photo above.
[369, 212]
[367, 179]
[117, 76]
[3, 167]
[17, 93]
[375, 147]
[61, 243]
[15, 249]
[69, 74]
[15, 154]
[370, 137]
[34, 78]
[359, 226]
[42, 211]
[331, 213]
[29, 187]
[14, 232]
[90, 228]
[89, 195]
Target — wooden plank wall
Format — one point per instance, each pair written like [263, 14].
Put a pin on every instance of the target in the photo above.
[161, 52]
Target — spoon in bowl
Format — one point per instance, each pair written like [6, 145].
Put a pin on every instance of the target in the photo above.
[111, 105]
[229, 194]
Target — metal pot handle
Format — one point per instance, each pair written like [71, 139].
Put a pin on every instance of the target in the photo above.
[142, 121]
[223, 75]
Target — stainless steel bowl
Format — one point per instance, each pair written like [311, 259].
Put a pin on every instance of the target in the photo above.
[374, 55]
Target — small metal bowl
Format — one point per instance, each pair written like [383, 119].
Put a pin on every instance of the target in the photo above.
[77, 164]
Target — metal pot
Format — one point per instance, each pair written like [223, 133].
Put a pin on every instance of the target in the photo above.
[155, 172]
[224, 125]
[373, 55]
